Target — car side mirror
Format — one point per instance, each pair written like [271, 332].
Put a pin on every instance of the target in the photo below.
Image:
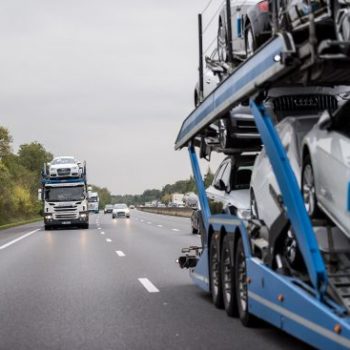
[326, 121]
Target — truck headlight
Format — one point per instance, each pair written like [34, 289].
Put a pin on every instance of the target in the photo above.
[83, 215]
[48, 217]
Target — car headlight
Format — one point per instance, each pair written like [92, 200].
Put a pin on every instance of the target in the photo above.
[83, 215]
[244, 214]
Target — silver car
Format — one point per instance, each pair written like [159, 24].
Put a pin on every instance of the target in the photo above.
[326, 168]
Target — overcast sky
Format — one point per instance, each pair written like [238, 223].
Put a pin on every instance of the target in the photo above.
[108, 81]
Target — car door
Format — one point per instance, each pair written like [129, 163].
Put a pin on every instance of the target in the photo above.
[213, 191]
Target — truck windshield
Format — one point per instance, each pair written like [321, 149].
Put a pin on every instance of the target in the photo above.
[65, 194]
[93, 199]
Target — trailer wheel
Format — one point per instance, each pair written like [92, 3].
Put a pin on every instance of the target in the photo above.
[228, 277]
[215, 274]
[309, 190]
[247, 319]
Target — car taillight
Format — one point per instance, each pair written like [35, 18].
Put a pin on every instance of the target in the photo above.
[263, 6]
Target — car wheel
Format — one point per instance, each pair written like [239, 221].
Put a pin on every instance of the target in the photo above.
[241, 284]
[228, 277]
[253, 205]
[215, 275]
[194, 230]
[308, 189]
[222, 43]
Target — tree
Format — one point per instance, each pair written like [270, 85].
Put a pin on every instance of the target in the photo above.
[5, 142]
[33, 155]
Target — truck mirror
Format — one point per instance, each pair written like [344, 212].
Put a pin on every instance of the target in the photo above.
[40, 193]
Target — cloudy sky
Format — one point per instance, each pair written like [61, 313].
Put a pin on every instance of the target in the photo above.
[108, 81]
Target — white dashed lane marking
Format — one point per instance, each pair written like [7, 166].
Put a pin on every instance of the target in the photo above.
[175, 229]
[150, 287]
[6, 245]
[159, 225]
[108, 240]
[120, 253]
[102, 233]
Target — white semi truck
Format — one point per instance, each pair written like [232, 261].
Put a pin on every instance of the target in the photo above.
[94, 202]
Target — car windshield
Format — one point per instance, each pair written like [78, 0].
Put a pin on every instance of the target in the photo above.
[93, 199]
[120, 206]
[65, 160]
[65, 194]
[241, 178]
[109, 206]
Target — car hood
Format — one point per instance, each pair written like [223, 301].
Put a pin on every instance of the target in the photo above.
[240, 199]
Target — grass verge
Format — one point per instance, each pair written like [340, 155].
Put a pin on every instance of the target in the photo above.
[19, 223]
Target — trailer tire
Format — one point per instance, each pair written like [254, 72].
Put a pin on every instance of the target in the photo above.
[241, 284]
[215, 275]
[228, 277]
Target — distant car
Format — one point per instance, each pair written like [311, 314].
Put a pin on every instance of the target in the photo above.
[230, 188]
[131, 207]
[65, 167]
[326, 167]
[195, 220]
[120, 211]
[250, 21]
[108, 209]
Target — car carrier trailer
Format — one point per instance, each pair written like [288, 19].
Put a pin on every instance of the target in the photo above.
[239, 260]
[65, 200]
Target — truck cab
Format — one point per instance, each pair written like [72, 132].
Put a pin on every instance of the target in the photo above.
[93, 202]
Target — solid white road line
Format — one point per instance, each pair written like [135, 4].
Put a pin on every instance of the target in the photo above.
[160, 225]
[150, 287]
[18, 239]
[108, 240]
[175, 229]
[102, 233]
[120, 253]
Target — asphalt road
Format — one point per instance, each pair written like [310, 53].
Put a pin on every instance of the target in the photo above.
[114, 286]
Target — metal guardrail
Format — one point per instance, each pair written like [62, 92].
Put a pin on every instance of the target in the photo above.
[181, 212]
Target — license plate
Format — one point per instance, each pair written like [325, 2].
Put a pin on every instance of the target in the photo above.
[66, 222]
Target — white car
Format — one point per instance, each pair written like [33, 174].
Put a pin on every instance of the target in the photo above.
[326, 168]
[65, 167]
[291, 131]
[230, 188]
[120, 211]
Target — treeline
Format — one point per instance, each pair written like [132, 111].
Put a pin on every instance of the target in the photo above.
[164, 195]
[20, 179]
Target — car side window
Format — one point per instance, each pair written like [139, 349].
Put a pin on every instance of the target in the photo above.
[219, 173]
[226, 176]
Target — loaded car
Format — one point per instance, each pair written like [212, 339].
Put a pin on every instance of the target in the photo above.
[326, 168]
[120, 211]
[295, 115]
[250, 25]
[65, 167]
[229, 191]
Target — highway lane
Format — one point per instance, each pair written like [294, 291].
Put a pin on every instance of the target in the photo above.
[114, 286]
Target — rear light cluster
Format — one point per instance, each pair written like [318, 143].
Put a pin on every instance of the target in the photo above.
[263, 6]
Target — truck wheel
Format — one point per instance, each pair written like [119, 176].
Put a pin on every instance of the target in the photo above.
[228, 277]
[247, 319]
[86, 226]
[47, 228]
[215, 275]
[308, 189]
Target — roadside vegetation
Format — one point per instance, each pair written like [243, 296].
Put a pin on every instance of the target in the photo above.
[164, 195]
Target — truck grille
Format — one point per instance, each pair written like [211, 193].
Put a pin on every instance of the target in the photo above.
[67, 212]
[63, 171]
[305, 103]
